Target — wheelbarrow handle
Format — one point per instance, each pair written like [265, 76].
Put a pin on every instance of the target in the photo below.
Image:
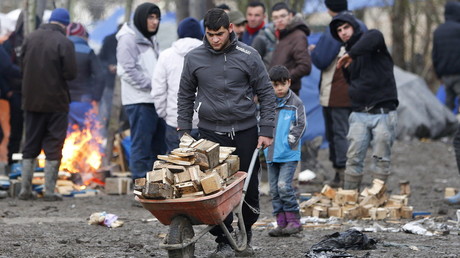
[255, 155]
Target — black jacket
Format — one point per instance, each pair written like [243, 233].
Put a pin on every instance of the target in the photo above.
[446, 42]
[370, 75]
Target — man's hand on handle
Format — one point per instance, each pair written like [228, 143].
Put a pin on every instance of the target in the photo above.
[264, 142]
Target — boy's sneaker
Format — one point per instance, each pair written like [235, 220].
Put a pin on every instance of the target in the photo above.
[223, 250]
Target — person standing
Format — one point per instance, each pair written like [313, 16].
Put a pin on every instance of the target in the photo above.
[137, 55]
[239, 23]
[445, 54]
[225, 73]
[166, 78]
[292, 44]
[368, 67]
[255, 15]
[48, 62]
[86, 89]
[284, 155]
[333, 93]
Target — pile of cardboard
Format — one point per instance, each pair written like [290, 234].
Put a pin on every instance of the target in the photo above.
[195, 169]
[373, 203]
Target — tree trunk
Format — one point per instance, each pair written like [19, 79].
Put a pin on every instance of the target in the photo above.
[128, 9]
[198, 8]
[41, 6]
[398, 22]
[182, 10]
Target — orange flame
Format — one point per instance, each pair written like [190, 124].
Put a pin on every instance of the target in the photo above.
[82, 151]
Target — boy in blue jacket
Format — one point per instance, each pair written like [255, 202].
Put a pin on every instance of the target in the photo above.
[284, 154]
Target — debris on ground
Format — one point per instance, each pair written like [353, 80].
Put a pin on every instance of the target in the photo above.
[105, 219]
[334, 245]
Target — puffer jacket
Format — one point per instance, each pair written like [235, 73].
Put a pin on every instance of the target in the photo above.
[446, 39]
[166, 79]
[48, 62]
[226, 81]
[292, 51]
[136, 60]
[290, 124]
[370, 74]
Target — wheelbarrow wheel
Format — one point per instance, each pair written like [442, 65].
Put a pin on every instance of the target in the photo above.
[181, 229]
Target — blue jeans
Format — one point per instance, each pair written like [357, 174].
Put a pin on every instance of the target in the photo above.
[283, 195]
[147, 138]
[173, 140]
[378, 129]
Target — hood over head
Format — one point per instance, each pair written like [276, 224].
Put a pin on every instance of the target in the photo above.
[347, 17]
[140, 18]
[452, 11]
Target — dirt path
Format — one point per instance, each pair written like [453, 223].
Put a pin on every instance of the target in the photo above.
[41, 229]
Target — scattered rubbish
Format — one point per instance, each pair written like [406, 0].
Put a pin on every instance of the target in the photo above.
[334, 244]
[426, 227]
[458, 218]
[418, 214]
[105, 219]
[306, 175]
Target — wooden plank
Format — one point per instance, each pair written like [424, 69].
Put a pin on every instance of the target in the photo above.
[224, 152]
[183, 152]
[187, 187]
[186, 141]
[158, 191]
[328, 191]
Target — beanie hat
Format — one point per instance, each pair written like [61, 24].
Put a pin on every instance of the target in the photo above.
[60, 15]
[236, 17]
[76, 29]
[336, 5]
[189, 28]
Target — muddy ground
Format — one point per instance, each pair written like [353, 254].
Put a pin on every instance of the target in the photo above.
[60, 229]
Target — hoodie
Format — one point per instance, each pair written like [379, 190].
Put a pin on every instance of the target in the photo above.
[166, 79]
[292, 51]
[370, 75]
[446, 39]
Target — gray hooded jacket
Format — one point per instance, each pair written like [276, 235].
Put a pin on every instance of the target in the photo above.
[225, 82]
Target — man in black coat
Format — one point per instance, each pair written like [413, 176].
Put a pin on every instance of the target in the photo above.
[446, 54]
[368, 67]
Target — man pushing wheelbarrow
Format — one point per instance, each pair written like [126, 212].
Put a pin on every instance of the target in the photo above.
[220, 81]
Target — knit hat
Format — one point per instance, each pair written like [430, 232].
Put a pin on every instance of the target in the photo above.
[76, 29]
[189, 28]
[236, 17]
[336, 6]
[60, 15]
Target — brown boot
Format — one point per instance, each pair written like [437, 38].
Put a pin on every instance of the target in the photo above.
[338, 178]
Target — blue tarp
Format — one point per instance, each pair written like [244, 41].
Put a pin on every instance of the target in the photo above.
[313, 6]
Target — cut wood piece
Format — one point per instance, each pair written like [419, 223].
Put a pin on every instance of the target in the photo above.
[162, 175]
[328, 191]
[212, 183]
[233, 164]
[176, 160]
[159, 164]
[394, 213]
[378, 213]
[352, 213]
[397, 201]
[195, 173]
[187, 187]
[182, 177]
[335, 211]
[158, 191]
[138, 193]
[311, 201]
[186, 140]
[406, 212]
[65, 189]
[202, 160]
[370, 200]
[224, 152]
[139, 183]
[117, 185]
[61, 182]
[306, 211]
[378, 186]
[222, 170]
[210, 149]
[448, 192]
[346, 196]
[183, 152]
[365, 210]
[193, 195]
[404, 187]
[319, 211]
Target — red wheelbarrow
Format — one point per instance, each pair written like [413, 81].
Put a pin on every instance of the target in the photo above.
[181, 214]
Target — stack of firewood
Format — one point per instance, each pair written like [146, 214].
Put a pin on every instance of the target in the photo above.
[373, 203]
[195, 169]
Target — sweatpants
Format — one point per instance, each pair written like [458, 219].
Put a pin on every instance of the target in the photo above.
[245, 143]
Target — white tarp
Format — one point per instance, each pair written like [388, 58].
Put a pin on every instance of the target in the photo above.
[420, 113]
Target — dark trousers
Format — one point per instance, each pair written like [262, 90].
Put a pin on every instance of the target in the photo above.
[47, 131]
[147, 137]
[17, 125]
[336, 125]
[245, 143]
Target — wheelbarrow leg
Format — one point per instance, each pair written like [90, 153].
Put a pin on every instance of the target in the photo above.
[180, 230]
